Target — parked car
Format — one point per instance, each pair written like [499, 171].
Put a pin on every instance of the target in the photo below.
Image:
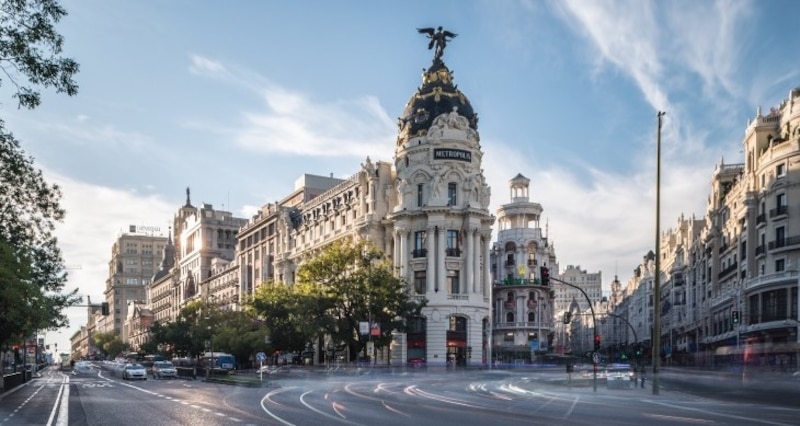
[162, 369]
[134, 371]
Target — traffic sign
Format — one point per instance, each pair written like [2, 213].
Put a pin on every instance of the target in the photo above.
[261, 357]
[596, 357]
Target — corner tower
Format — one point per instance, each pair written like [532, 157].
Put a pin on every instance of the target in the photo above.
[441, 222]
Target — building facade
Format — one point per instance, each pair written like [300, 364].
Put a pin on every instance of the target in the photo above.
[135, 258]
[523, 308]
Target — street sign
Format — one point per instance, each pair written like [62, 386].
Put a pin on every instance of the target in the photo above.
[261, 357]
[596, 357]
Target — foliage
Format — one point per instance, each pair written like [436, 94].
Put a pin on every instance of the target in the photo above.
[287, 322]
[30, 260]
[110, 344]
[239, 334]
[32, 266]
[340, 286]
[30, 47]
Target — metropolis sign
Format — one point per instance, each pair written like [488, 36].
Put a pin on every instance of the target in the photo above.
[452, 154]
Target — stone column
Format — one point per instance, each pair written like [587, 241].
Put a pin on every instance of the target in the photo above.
[402, 241]
[441, 272]
[476, 261]
[431, 271]
[469, 262]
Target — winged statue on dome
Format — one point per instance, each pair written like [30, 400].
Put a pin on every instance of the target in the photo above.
[439, 39]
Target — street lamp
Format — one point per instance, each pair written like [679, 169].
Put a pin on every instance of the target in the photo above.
[656, 279]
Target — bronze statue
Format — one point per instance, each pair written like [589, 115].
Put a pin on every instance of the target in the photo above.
[439, 38]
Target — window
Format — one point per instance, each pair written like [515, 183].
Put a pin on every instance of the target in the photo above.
[453, 282]
[780, 265]
[510, 318]
[420, 281]
[509, 337]
[451, 194]
[420, 193]
[781, 200]
[452, 243]
[419, 244]
[780, 170]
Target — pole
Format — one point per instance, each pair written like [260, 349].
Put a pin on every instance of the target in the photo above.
[594, 325]
[657, 278]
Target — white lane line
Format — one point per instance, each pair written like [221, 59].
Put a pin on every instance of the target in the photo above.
[749, 420]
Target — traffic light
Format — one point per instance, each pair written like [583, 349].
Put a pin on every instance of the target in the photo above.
[597, 342]
[545, 273]
[567, 317]
[104, 308]
[735, 317]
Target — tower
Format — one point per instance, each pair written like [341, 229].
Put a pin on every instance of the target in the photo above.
[441, 222]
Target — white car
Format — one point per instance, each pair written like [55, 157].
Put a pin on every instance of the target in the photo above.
[134, 371]
[162, 369]
[620, 376]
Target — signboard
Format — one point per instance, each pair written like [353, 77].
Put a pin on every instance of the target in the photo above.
[375, 330]
[452, 154]
[261, 357]
[363, 327]
[535, 344]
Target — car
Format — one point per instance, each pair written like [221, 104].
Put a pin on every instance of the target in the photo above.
[274, 370]
[134, 371]
[162, 369]
[620, 376]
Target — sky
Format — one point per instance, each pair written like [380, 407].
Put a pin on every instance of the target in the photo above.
[238, 99]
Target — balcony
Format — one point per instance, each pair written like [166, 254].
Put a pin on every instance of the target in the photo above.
[520, 281]
[728, 270]
[452, 252]
[760, 250]
[510, 263]
[419, 253]
[784, 243]
[761, 219]
[779, 211]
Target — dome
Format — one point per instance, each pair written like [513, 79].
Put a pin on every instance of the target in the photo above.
[437, 95]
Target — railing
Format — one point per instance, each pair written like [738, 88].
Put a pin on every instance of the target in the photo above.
[520, 281]
[419, 253]
[452, 252]
[771, 278]
[510, 263]
[762, 218]
[783, 242]
[760, 250]
[729, 269]
[457, 297]
[780, 210]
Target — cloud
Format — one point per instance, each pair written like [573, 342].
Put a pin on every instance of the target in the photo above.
[96, 215]
[291, 122]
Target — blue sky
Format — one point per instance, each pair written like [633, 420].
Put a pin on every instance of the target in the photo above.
[236, 100]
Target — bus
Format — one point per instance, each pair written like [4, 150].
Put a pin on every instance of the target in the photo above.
[221, 360]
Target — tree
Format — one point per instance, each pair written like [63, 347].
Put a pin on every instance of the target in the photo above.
[30, 260]
[30, 47]
[110, 344]
[286, 320]
[355, 284]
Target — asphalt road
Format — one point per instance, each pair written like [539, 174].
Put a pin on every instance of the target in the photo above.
[98, 397]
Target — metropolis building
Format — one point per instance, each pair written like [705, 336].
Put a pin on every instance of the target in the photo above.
[427, 211]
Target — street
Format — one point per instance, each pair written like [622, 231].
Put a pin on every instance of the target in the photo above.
[369, 397]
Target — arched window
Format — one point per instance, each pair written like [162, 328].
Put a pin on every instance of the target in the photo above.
[510, 317]
[531, 317]
[510, 296]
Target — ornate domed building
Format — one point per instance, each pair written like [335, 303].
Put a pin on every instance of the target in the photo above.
[441, 222]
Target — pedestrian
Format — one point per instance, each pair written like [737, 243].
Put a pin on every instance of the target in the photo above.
[642, 371]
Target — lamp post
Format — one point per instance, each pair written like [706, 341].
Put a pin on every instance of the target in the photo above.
[657, 277]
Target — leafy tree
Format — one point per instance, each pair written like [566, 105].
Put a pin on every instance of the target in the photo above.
[356, 284]
[110, 344]
[30, 260]
[285, 319]
[239, 334]
[30, 49]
